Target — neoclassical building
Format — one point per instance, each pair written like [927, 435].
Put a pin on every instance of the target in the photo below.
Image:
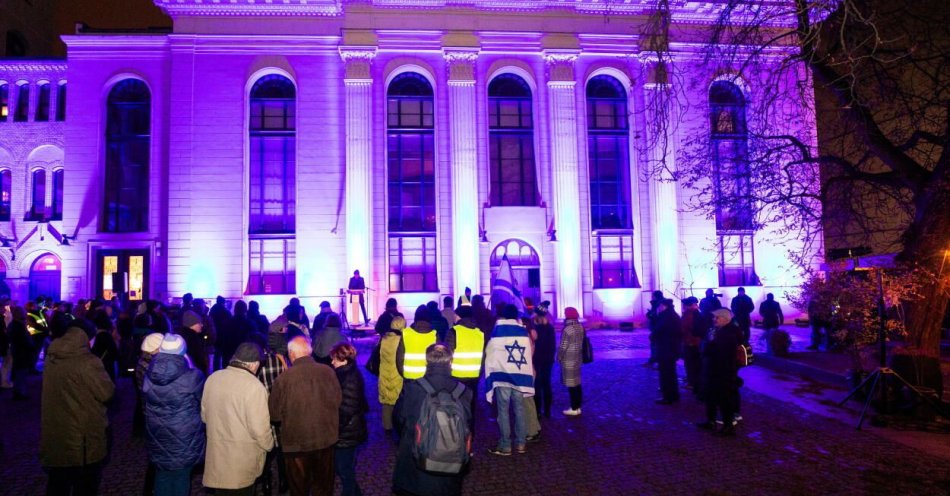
[267, 149]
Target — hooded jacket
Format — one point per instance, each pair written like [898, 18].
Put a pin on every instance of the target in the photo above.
[353, 407]
[73, 418]
[175, 433]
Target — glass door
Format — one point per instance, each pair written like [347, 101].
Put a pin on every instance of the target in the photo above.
[123, 273]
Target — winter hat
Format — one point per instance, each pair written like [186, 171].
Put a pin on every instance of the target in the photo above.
[723, 313]
[190, 318]
[570, 313]
[152, 342]
[173, 344]
[247, 352]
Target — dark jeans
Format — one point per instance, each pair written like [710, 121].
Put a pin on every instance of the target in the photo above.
[310, 472]
[19, 381]
[542, 389]
[74, 481]
[244, 491]
[266, 477]
[173, 482]
[576, 397]
[344, 463]
[668, 385]
[693, 363]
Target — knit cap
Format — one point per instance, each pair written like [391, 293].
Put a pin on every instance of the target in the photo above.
[152, 342]
[190, 318]
[173, 344]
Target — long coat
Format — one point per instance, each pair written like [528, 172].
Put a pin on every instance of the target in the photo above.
[234, 409]
[73, 418]
[305, 401]
[390, 378]
[569, 353]
[175, 434]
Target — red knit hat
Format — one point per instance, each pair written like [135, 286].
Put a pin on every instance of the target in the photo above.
[571, 313]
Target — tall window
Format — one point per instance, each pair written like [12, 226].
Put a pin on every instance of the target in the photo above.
[61, 102]
[128, 140]
[410, 149]
[511, 142]
[4, 102]
[608, 147]
[59, 177]
[734, 221]
[42, 103]
[38, 195]
[273, 170]
[6, 181]
[22, 103]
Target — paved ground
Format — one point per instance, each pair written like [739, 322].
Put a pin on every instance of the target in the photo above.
[623, 444]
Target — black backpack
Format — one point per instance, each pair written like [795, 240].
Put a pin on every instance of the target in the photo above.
[442, 438]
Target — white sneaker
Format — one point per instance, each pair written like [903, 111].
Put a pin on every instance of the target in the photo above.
[571, 412]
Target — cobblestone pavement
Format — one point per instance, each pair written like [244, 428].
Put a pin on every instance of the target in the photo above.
[622, 444]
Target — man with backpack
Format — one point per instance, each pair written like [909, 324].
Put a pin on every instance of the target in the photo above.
[437, 407]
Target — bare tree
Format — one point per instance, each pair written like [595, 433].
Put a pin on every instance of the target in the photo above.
[874, 76]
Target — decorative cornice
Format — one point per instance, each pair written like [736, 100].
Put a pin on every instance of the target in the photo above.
[185, 8]
[28, 67]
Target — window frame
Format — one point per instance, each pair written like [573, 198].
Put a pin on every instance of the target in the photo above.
[61, 102]
[37, 211]
[511, 90]
[21, 112]
[43, 100]
[58, 194]
[122, 139]
[6, 187]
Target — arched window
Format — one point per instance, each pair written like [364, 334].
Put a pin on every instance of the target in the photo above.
[38, 196]
[608, 149]
[6, 181]
[128, 143]
[61, 102]
[731, 177]
[46, 277]
[42, 103]
[511, 142]
[59, 176]
[273, 183]
[22, 109]
[410, 148]
[4, 102]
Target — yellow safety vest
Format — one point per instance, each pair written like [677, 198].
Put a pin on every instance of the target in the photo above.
[469, 348]
[415, 344]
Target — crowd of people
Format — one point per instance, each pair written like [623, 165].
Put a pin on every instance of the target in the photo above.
[225, 388]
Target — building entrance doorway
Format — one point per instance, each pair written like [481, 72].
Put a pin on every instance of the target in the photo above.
[122, 273]
[525, 265]
[46, 277]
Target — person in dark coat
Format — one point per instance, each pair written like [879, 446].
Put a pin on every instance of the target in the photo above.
[175, 434]
[545, 350]
[439, 324]
[353, 408]
[772, 318]
[408, 479]
[710, 303]
[720, 370]
[236, 330]
[22, 351]
[103, 345]
[385, 319]
[224, 344]
[669, 341]
[655, 298]
[260, 321]
[742, 308]
[192, 329]
[694, 327]
[73, 420]
[482, 315]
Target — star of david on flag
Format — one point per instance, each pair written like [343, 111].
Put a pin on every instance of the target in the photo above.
[511, 354]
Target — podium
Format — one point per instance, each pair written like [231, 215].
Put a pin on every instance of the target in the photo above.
[354, 310]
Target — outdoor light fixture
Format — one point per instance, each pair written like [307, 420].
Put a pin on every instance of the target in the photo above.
[483, 236]
[66, 239]
[5, 243]
[4, 110]
[552, 235]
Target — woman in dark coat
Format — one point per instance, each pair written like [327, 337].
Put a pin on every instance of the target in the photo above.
[23, 351]
[545, 348]
[353, 410]
[104, 346]
[175, 433]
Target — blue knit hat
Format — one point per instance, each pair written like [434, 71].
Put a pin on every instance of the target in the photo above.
[173, 344]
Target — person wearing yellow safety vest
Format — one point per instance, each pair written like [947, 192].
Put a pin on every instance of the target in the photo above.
[467, 343]
[412, 348]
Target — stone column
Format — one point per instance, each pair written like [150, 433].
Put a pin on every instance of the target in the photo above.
[660, 123]
[460, 65]
[358, 83]
[565, 178]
